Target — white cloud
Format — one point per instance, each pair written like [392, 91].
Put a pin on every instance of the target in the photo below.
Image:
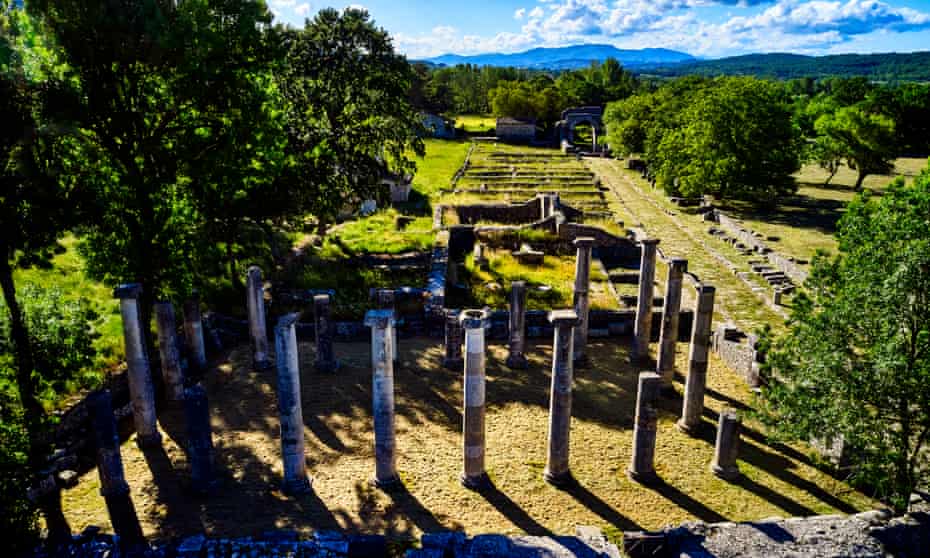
[302, 9]
[786, 25]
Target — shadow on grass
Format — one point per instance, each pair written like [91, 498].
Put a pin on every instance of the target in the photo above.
[509, 509]
[687, 503]
[604, 510]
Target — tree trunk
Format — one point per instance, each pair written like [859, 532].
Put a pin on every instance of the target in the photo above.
[860, 179]
[830, 177]
[33, 412]
[25, 365]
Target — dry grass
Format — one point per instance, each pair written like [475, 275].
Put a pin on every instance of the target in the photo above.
[778, 481]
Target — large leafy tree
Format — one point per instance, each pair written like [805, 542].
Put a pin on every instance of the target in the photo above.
[866, 140]
[162, 85]
[348, 118]
[855, 364]
[736, 140]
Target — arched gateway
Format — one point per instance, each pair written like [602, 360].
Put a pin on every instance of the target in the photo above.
[577, 116]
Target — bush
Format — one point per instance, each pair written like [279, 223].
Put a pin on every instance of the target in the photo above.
[18, 516]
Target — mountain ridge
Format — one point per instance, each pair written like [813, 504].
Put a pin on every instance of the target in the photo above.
[570, 57]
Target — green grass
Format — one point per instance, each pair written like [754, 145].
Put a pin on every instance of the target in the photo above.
[435, 170]
[378, 234]
[67, 274]
[556, 275]
[475, 123]
[807, 223]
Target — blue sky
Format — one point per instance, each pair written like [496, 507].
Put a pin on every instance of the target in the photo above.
[423, 28]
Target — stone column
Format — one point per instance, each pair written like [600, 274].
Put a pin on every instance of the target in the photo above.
[668, 337]
[193, 333]
[295, 480]
[113, 485]
[474, 322]
[517, 359]
[726, 449]
[199, 438]
[141, 390]
[642, 330]
[257, 327]
[696, 381]
[642, 468]
[387, 301]
[453, 341]
[325, 355]
[580, 296]
[557, 470]
[381, 323]
[169, 351]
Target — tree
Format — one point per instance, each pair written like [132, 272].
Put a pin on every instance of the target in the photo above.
[349, 120]
[628, 123]
[34, 210]
[856, 362]
[736, 140]
[161, 86]
[866, 140]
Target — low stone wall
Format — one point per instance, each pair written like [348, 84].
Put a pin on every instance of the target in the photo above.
[434, 305]
[752, 240]
[517, 214]
[738, 351]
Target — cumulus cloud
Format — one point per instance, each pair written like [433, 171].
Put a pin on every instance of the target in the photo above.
[795, 25]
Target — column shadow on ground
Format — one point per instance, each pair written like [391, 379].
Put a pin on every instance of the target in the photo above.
[512, 511]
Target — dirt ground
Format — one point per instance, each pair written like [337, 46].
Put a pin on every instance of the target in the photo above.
[778, 481]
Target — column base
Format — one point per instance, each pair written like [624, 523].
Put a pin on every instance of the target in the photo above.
[386, 484]
[296, 487]
[152, 441]
[690, 430]
[323, 367]
[454, 364]
[559, 480]
[647, 478]
[517, 362]
[726, 473]
[476, 482]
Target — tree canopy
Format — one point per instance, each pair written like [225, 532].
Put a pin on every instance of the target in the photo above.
[855, 364]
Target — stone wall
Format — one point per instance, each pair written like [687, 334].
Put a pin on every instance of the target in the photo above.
[754, 242]
[516, 214]
[738, 351]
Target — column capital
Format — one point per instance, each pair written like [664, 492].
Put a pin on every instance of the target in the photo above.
[563, 318]
[127, 291]
[286, 321]
[703, 288]
[321, 298]
[379, 319]
[253, 269]
[584, 242]
[649, 242]
[679, 263]
[475, 319]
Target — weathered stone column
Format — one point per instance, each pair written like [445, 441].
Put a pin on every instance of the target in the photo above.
[199, 438]
[141, 390]
[169, 351]
[642, 468]
[474, 322]
[668, 336]
[257, 327]
[557, 470]
[387, 301]
[581, 302]
[517, 359]
[193, 333]
[453, 341]
[113, 485]
[696, 381]
[295, 480]
[642, 330]
[381, 323]
[325, 355]
[726, 449]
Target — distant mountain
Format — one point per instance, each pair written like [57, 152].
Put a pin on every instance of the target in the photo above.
[567, 58]
[914, 66]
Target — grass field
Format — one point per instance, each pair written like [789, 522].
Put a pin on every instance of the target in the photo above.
[807, 222]
[475, 123]
[778, 480]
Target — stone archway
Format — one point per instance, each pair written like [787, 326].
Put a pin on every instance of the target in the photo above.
[579, 116]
